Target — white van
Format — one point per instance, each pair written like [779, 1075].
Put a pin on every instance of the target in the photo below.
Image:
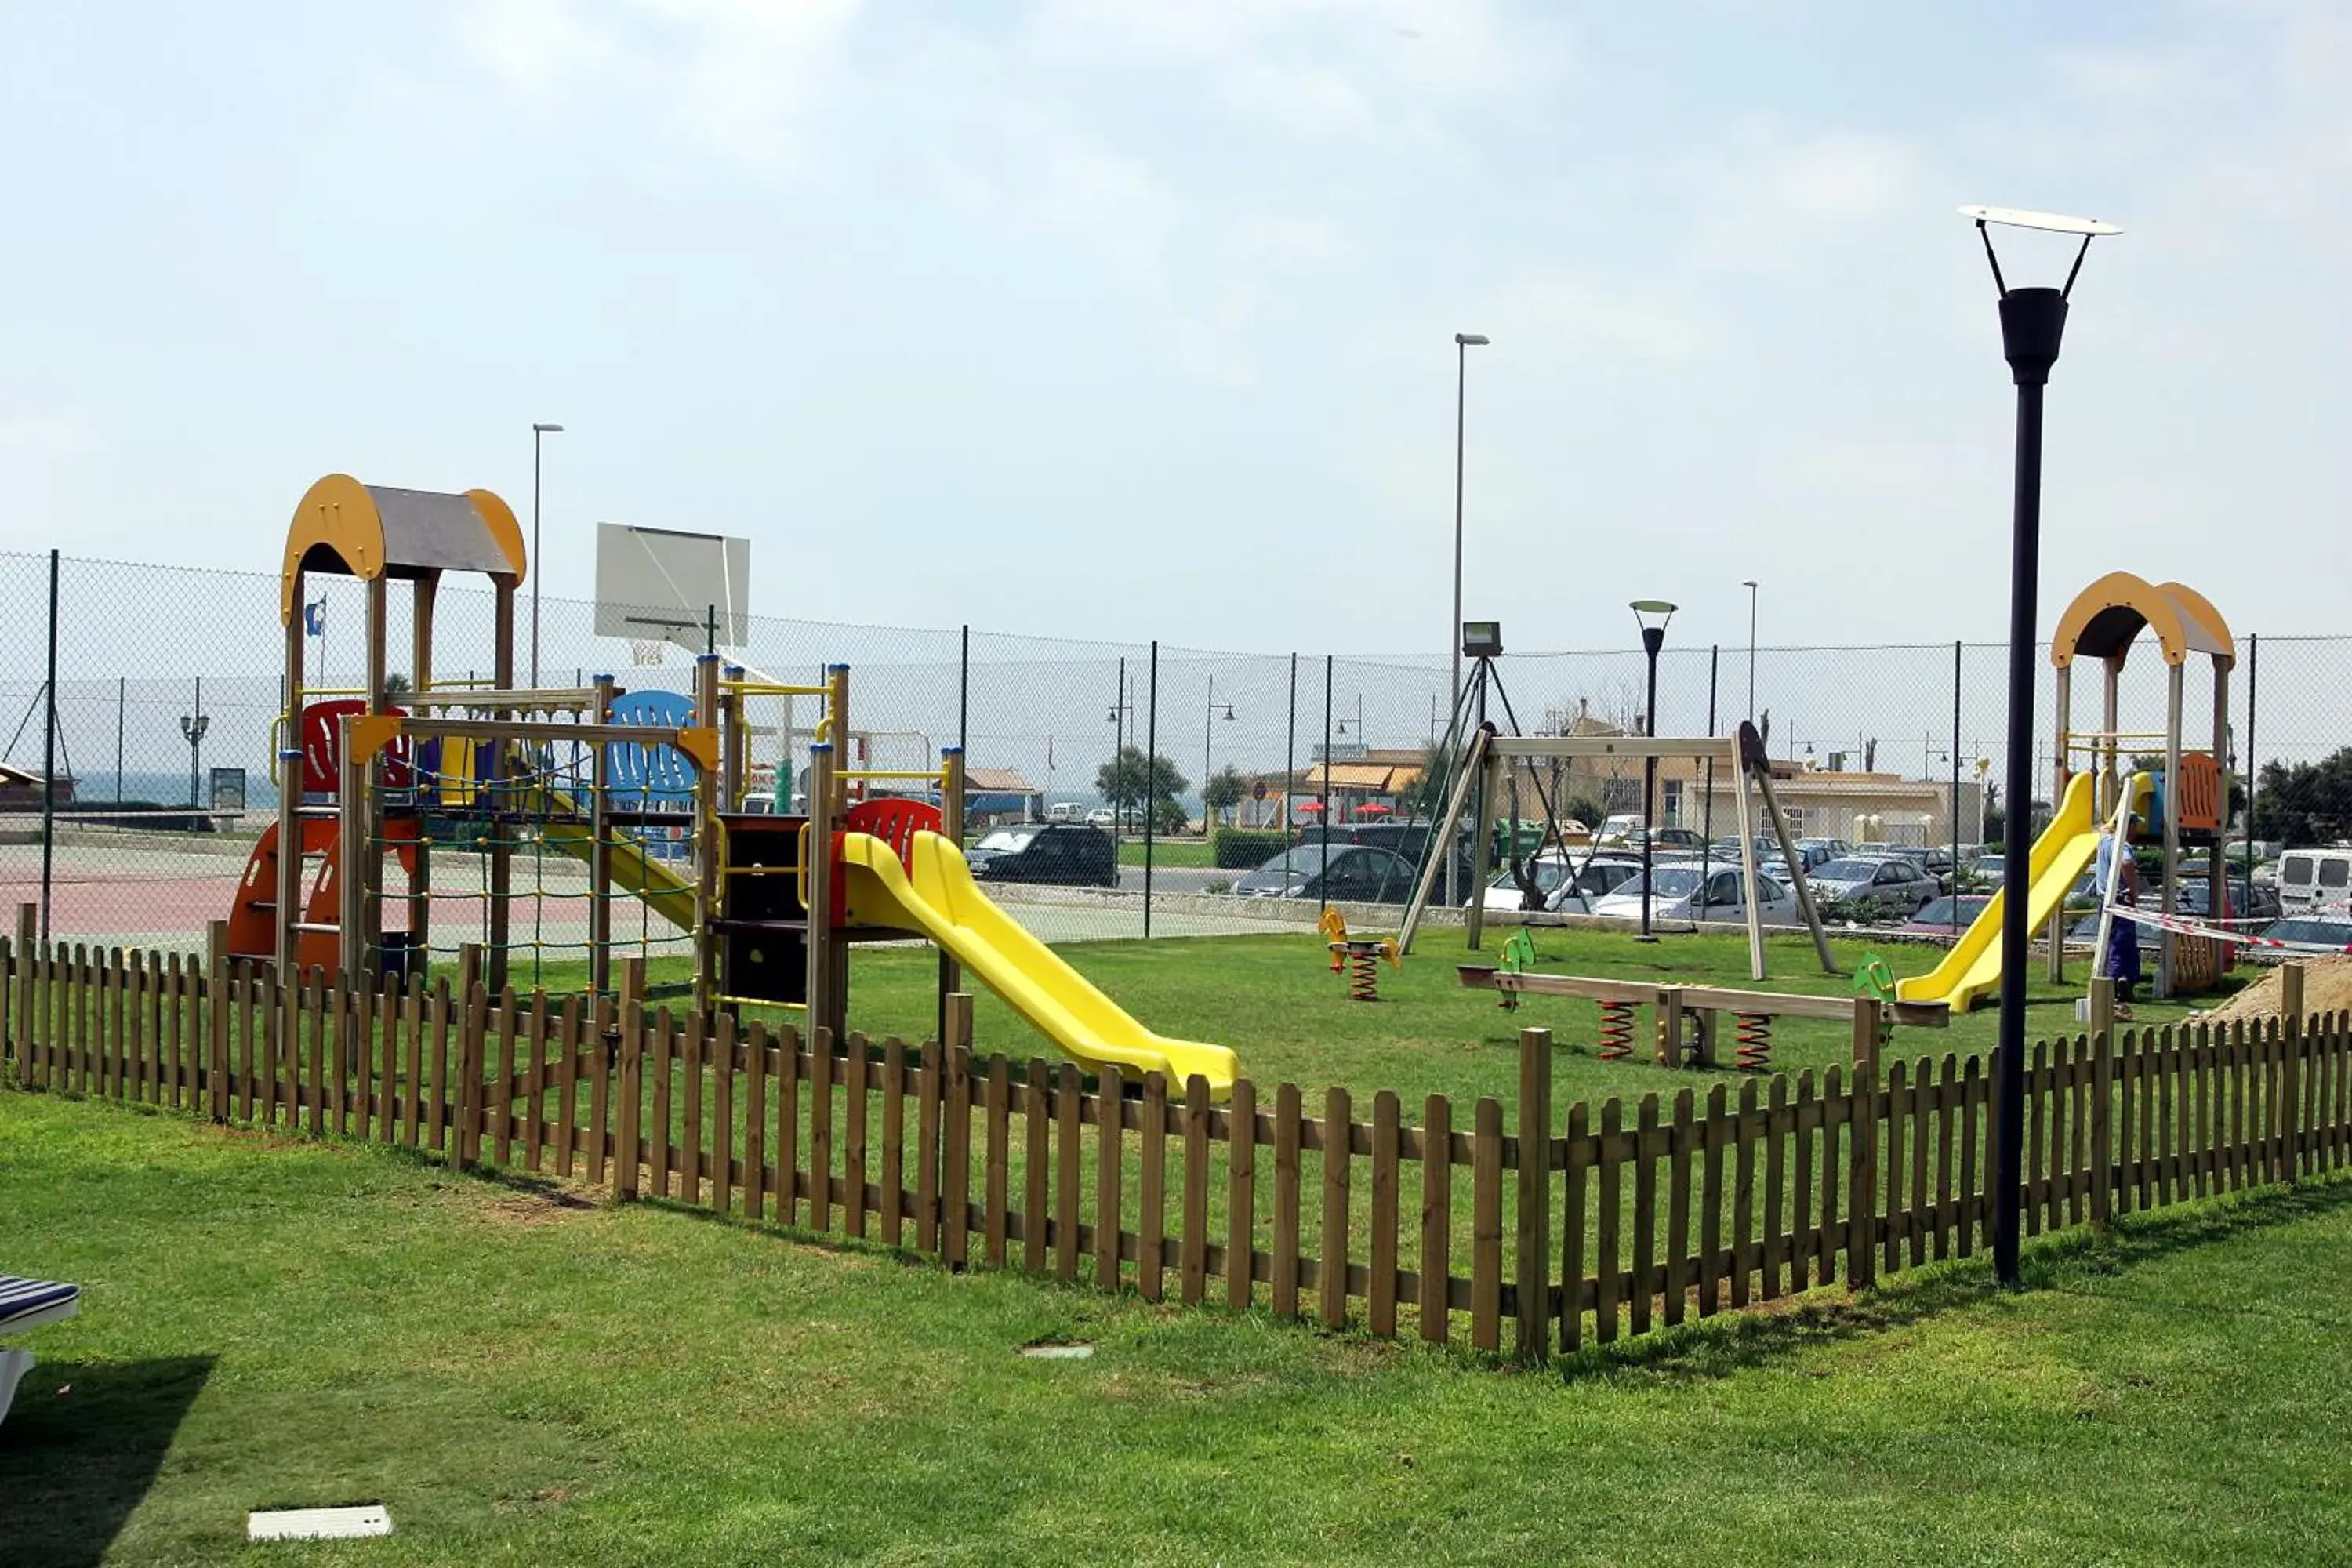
[2314, 878]
[1065, 811]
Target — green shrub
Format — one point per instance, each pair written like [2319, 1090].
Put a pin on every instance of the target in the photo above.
[1245, 848]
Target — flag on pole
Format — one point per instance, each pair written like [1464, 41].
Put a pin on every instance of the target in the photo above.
[314, 618]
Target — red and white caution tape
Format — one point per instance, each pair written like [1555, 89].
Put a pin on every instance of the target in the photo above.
[2185, 925]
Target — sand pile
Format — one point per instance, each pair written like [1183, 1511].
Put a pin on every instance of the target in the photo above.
[2327, 988]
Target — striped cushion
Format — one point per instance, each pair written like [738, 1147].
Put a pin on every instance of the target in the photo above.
[26, 1302]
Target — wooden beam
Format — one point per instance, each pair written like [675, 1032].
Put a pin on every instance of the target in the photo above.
[1441, 843]
[1722, 750]
[1720, 998]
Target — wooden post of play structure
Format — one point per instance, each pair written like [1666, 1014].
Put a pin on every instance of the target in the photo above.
[1865, 1033]
[2217, 890]
[734, 738]
[950, 828]
[2168, 953]
[364, 951]
[600, 846]
[352, 838]
[845, 755]
[706, 786]
[494, 771]
[2056, 936]
[817, 878]
[423, 595]
[290, 792]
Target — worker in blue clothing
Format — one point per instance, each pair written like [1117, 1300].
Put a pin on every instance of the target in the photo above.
[2119, 882]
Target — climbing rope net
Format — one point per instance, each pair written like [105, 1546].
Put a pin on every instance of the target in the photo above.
[541, 810]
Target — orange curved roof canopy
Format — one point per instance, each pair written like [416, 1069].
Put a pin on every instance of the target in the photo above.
[378, 530]
[2107, 617]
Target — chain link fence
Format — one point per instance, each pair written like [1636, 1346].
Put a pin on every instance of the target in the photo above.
[160, 730]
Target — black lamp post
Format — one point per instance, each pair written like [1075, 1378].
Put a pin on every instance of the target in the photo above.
[192, 729]
[1208, 732]
[2033, 322]
[1652, 616]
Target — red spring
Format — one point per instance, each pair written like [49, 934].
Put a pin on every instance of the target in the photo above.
[1616, 1031]
[1364, 975]
[1753, 1043]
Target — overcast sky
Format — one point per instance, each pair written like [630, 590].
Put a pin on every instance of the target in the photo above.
[1124, 318]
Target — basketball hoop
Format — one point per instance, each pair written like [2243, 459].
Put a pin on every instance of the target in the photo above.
[646, 650]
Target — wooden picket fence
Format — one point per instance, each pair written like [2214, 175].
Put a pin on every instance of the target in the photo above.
[1526, 1226]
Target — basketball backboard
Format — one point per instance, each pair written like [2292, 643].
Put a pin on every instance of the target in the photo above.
[661, 584]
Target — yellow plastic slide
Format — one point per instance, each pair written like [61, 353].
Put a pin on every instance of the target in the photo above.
[1972, 969]
[665, 892]
[941, 901]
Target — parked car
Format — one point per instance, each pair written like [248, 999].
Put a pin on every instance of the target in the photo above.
[1935, 859]
[2084, 934]
[1898, 886]
[1553, 874]
[1943, 916]
[1069, 853]
[1684, 892]
[1408, 838]
[1822, 851]
[1983, 870]
[2312, 931]
[1102, 816]
[1063, 811]
[2196, 898]
[1342, 873]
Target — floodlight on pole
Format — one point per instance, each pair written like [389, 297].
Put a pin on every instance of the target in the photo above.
[1651, 615]
[1749, 584]
[2032, 324]
[539, 432]
[1462, 343]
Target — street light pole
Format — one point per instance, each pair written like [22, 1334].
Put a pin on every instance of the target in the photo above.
[1749, 584]
[1651, 615]
[1462, 343]
[2032, 323]
[1207, 731]
[538, 434]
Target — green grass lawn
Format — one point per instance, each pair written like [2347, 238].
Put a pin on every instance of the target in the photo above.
[1168, 852]
[1275, 1000]
[524, 1377]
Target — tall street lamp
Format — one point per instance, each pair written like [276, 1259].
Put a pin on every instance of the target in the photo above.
[192, 729]
[539, 432]
[1651, 615]
[1120, 707]
[1360, 722]
[2033, 322]
[1207, 731]
[1462, 343]
[1749, 584]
